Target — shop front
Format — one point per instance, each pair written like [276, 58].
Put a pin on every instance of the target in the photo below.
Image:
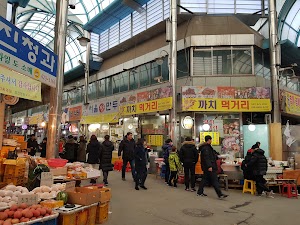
[71, 121]
[218, 112]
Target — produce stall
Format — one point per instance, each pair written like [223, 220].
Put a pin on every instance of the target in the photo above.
[42, 199]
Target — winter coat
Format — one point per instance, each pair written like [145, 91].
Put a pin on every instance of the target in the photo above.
[258, 162]
[188, 153]
[166, 152]
[33, 146]
[43, 149]
[70, 150]
[94, 148]
[140, 157]
[174, 162]
[247, 170]
[81, 154]
[106, 156]
[127, 147]
[208, 158]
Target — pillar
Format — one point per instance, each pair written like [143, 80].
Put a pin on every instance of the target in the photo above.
[276, 141]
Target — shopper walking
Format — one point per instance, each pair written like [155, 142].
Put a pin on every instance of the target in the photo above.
[93, 149]
[105, 158]
[209, 167]
[81, 154]
[175, 167]
[70, 149]
[259, 165]
[126, 148]
[189, 157]
[32, 145]
[141, 161]
[43, 146]
[167, 148]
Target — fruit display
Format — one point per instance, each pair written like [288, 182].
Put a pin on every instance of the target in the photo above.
[9, 195]
[62, 196]
[23, 213]
[45, 192]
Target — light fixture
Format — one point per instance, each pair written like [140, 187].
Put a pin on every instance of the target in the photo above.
[130, 126]
[83, 41]
[43, 124]
[251, 127]
[64, 132]
[157, 114]
[187, 122]
[24, 127]
[294, 79]
[93, 127]
[159, 61]
[206, 127]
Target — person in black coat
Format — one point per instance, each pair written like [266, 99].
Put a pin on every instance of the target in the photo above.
[248, 171]
[189, 157]
[43, 146]
[127, 147]
[210, 168]
[141, 161]
[93, 149]
[259, 165]
[105, 158]
[32, 145]
[71, 148]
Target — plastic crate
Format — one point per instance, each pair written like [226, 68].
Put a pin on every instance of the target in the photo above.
[102, 213]
[49, 222]
[82, 216]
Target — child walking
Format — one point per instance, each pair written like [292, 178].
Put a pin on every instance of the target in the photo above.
[175, 166]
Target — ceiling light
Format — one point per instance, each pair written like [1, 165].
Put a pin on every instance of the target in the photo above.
[206, 127]
[251, 127]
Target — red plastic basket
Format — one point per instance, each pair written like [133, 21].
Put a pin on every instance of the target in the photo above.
[57, 162]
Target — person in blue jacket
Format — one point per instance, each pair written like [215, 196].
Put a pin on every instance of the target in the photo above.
[141, 161]
[167, 148]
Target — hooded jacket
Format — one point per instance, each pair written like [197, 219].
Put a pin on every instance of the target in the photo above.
[140, 157]
[247, 170]
[175, 164]
[70, 150]
[127, 147]
[94, 148]
[188, 153]
[258, 162]
[208, 157]
[166, 152]
[106, 156]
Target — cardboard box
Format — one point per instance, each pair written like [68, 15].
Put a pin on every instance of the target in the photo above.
[59, 171]
[18, 138]
[105, 193]
[83, 196]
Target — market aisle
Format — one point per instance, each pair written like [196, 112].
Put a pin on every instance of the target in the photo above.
[163, 205]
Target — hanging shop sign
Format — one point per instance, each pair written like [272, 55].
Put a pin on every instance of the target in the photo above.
[226, 99]
[36, 119]
[75, 113]
[292, 103]
[21, 53]
[18, 85]
[146, 102]
[187, 122]
[155, 140]
[103, 111]
[215, 137]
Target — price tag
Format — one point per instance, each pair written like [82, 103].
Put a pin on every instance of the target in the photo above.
[46, 179]
[70, 185]
[29, 199]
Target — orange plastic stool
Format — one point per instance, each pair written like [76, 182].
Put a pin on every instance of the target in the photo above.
[290, 190]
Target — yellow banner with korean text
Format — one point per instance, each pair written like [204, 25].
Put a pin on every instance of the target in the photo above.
[215, 137]
[16, 84]
[226, 105]
[100, 118]
[292, 103]
[147, 107]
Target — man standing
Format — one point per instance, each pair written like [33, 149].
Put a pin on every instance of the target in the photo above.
[259, 165]
[189, 157]
[127, 146]
[210, 168]
[32, 145]
[167, 147]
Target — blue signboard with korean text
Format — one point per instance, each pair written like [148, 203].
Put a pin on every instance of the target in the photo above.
[21, 53]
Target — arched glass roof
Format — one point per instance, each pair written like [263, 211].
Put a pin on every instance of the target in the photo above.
[38, 20]
[290, 27]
